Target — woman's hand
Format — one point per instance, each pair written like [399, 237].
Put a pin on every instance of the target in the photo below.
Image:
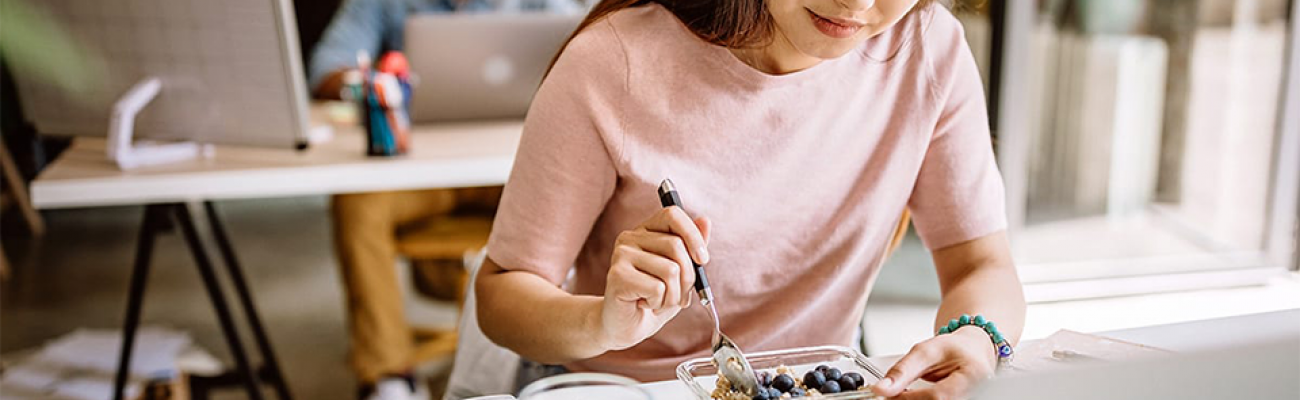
[650, 276]
[955, 362]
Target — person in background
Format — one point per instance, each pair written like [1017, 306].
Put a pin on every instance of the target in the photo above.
[366, 224]
[376, 26]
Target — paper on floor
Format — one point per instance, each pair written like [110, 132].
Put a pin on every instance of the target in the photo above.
[82, 365]
[155, 350]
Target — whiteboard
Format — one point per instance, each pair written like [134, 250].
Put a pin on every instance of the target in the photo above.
[231, 69]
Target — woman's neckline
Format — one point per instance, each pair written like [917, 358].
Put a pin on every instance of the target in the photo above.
[723, 58]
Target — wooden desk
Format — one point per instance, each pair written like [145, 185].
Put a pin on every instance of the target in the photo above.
[182, 195]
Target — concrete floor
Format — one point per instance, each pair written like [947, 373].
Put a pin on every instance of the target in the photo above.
[77, 275]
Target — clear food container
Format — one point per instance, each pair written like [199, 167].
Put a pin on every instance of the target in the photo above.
[701, 376]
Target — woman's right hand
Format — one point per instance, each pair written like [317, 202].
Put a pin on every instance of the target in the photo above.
[650, 276]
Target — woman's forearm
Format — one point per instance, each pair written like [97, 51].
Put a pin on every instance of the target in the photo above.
[976, 277]
[979, 277]
[525, 313]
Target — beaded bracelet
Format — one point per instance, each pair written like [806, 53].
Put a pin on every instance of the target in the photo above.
[1004, 349]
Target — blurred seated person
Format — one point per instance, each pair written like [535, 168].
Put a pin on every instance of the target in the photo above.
[366, 224]
[377, 26]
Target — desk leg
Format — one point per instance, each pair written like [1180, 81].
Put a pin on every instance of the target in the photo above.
[272, 366]
[154, 219]
[186, 222]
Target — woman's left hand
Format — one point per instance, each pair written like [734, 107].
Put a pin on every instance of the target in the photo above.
[955, 362]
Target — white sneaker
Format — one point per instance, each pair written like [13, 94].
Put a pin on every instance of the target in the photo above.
[393, 389]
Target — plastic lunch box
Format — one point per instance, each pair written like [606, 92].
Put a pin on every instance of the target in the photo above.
[701, 376]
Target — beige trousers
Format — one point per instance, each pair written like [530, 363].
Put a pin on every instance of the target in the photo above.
[366, 227]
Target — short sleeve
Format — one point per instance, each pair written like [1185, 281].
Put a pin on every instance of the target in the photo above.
[564, 172]
[959, 195]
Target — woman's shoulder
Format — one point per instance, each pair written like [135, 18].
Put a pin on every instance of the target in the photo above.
[643, 21]
[930, 38]
[925, 30]
[940, 28]
[944, 46]
[600, 59]
[598, 48]
[633, 27]
[617, 44]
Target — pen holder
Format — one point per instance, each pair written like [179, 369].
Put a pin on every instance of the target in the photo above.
[385, 117]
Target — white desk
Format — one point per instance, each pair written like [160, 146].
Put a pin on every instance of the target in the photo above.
[442, 156]
[182, 195]
[1190, 336]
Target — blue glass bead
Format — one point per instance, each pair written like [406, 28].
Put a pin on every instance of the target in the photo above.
[964, 320]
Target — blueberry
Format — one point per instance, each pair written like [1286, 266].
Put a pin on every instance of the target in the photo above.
[822, 368]
[847, 383]
[830, 387]
[832, 374]
[814, 379]
[773, 393]
[762, 395]
[798, 392]
[783, 383]
[765, 378]
[858, 381]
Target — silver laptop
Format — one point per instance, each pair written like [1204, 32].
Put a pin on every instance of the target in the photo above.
[481, 66]
[1268, 370]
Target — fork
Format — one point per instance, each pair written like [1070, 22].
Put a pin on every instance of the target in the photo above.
[726, 355]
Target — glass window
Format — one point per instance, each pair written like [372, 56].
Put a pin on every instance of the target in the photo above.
[1142, 137]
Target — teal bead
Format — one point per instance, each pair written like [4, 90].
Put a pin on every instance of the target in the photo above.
[997, 337]
[943, 330]
[990, 327]
[979, 320]
[953, 325]
[964, 320]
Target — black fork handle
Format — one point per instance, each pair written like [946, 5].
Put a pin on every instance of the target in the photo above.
[668, 198]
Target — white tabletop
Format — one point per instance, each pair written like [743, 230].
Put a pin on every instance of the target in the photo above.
[1190, 336]
[446, 155]
[1213, 334]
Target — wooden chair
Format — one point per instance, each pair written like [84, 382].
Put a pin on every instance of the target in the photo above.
[15, 194]
[900, 232]
[445, 240]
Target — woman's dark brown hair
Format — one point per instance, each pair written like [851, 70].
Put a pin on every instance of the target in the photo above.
[728, 23]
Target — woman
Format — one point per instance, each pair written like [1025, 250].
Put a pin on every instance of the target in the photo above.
[796, 131]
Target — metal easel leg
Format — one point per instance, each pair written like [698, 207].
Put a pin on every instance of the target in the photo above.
[183, 215]
[271, 364]
[154, 219]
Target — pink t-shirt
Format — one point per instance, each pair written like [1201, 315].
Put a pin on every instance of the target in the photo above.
[804, 175]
